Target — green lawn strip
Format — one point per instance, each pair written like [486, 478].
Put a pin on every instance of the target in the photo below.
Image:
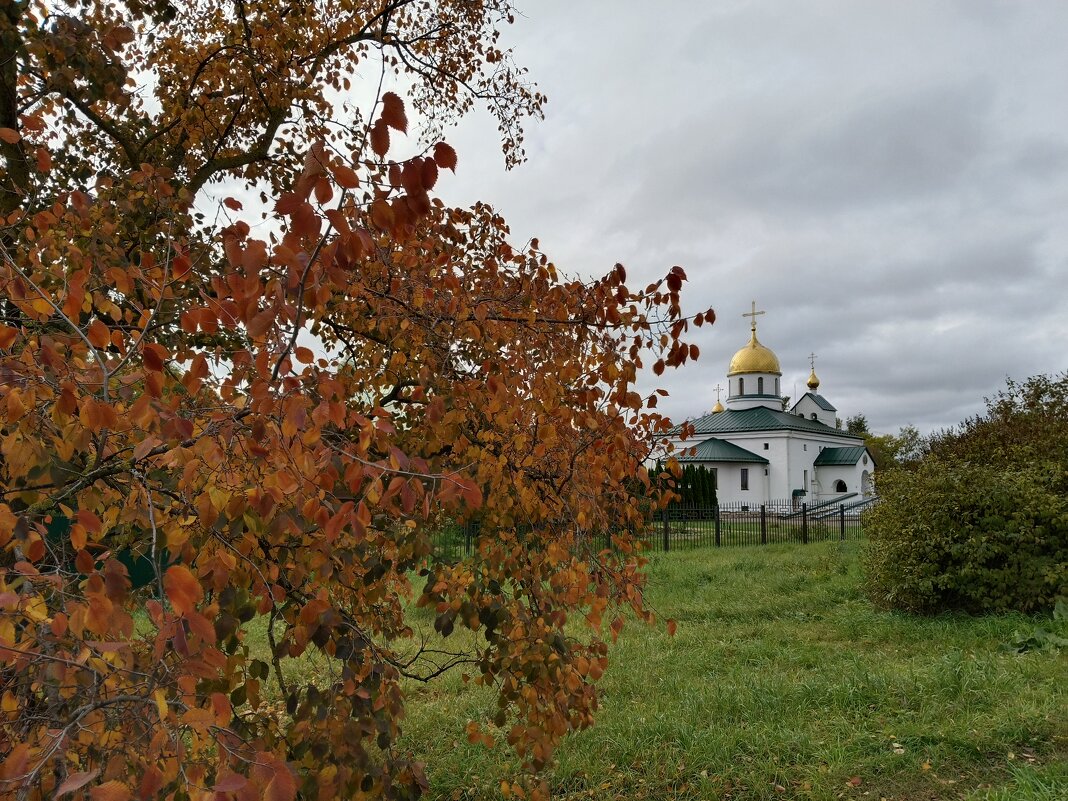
[782, 681]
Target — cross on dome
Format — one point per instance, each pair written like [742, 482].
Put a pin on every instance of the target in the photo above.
[813, 381]
[753, 314]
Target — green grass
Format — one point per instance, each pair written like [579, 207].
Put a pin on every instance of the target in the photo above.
[783, 682]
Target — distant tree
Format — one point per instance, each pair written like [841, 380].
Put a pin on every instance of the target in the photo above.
[857, 424]
[896, 450]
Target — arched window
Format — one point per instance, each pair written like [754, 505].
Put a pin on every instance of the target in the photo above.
[776, 386]
[839, 486]
[741, 386]
[760, 385]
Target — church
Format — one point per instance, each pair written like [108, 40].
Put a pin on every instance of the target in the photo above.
[761, 452]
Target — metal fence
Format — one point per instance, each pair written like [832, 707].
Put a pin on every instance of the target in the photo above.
[681, 527]
[687, 527]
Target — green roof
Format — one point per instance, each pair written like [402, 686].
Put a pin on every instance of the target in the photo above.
[717, 450]
[761, 418]
[839, 456]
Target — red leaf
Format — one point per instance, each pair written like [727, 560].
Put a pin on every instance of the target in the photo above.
[430, 174]
[672, 627]
[89, 520]
[445, 156]
[154, 356]
[380, 138]
[393, 112]
[231, 203]
[259, 324]
[345, 176]
[44, 160]
[229, 782]
[288, 203]
[9, 135]
[323, 190]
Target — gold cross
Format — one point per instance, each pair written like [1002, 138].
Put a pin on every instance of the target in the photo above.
[812, 361]
[754, 313]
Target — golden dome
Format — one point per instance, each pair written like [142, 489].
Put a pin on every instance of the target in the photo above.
[754, 358]
[717, 408]
[813, 381]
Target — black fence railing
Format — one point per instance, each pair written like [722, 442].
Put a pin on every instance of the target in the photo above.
[724, 525]
[681, 527]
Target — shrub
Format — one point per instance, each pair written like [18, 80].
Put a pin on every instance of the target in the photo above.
[962, 535]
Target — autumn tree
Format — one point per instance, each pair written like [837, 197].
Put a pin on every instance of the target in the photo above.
[274, 423]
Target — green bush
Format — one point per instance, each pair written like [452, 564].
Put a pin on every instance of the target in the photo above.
[964, 535]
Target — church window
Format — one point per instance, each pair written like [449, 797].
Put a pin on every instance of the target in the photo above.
[745, 478]
[760, 385]
[839, 486]
[813, 415]
[804, 447]
[766, 446]
[776, 386]
[741, 386]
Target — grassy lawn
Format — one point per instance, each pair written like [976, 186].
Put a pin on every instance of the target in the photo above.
[782, 682]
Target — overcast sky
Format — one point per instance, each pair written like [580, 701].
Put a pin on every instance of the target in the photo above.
[887, 180]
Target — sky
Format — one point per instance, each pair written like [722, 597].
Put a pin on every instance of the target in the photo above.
[887, 180]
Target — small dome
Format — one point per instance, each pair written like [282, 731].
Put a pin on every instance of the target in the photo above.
[813, 381]
[754, 358]
[717, 408]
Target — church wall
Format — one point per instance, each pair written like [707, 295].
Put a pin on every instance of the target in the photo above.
[729, 481]
[831, 473]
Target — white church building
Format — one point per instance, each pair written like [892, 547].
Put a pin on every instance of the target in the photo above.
[761, 452]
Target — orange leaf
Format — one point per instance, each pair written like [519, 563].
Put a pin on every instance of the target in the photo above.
[113, 790]
[304, 355]
[183, 589]
[9, 135]
[672, 627]
[323, 191]
[74, 781]
[44, 160]
[98, 334]
[8, 336]
[445, 156]
[381, 214]
[393, 112]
